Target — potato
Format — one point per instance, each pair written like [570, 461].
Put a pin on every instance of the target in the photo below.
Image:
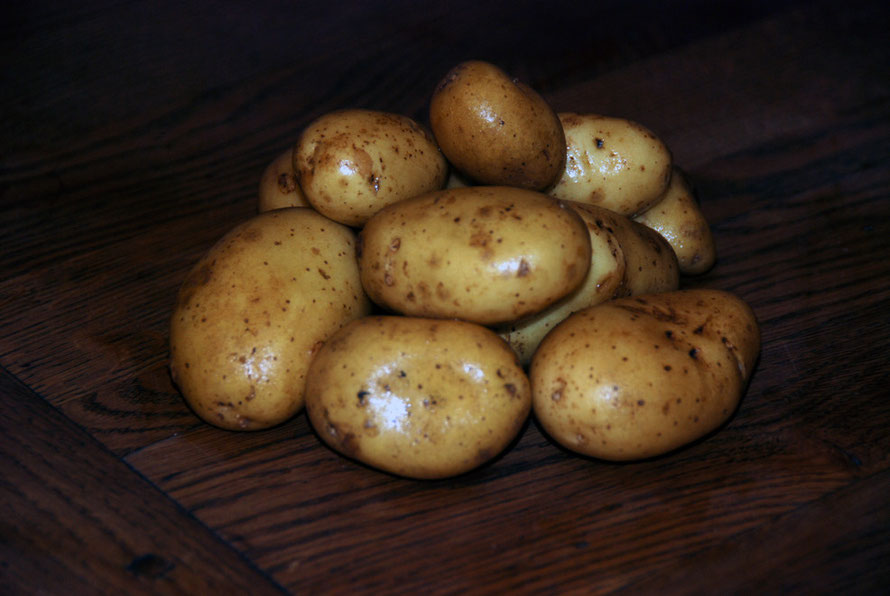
[422, 398]
[612, 162]
[638, 377]
[486, 254]
[254, 310]
[496, 129]
[650, 266]
[678, 219]
[626, 258]
[278, 185]
[350, 163]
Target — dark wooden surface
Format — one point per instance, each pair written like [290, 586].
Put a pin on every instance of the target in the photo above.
[133, 136]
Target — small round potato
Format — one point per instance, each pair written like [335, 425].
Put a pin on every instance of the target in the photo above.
[679, 220]
[626, 258]
[638, 377]
[612, 162]
[422, 398]
[254, 310]
[496, 129]
[486, 254]
[350, 163]
[278, 185]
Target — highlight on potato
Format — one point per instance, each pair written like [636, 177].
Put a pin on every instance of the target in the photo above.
[423, 291]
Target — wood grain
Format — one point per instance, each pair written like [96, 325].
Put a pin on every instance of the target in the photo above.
[78, 520]
[134, 137]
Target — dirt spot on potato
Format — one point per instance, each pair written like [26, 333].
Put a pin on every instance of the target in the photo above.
[483, 455]
[557, 394]
[479, 238]
[343, 440]
[197, 278]
[287, 183]
[252, 235]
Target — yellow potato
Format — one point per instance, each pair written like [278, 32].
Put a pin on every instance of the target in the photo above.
[678, 219]
[350, 163]
[423, 398]
[650, 264]
[487, 254]
[254, 310]
[496, 129]
[638, 377]
[626, 258]
[612, 162]
[278, 185]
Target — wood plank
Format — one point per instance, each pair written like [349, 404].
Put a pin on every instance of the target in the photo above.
[836, 544]
[537, 519]
[78, 520]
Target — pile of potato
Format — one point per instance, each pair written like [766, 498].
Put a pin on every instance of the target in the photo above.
[421, 292]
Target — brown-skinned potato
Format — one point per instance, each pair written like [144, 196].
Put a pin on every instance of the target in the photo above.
[677, 217]
[278, 185]
[351, 163]
[612, 162]
[638, 377]
[495, 129]
[422, 398]
[486, 254]
[254, 310]
[626, 258]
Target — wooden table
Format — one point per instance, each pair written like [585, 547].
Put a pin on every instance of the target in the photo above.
[134, 135]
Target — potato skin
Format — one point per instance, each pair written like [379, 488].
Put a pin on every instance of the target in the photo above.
[496, 129]
[626, 259]
[638, 377]
[350, 163]
[254, 310]
[612, 162]
[278, 185]
[422, 398]
[485, 254]
[677, 217]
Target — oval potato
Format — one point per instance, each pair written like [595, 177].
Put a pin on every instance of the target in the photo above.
[626, 258]
[638, 377]
[612, 162]
[422, 398]
[650, 265]
[486, 254]
[278, 185]
[350, 163]
[677, 217]
[254, 310]
[496, 129]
